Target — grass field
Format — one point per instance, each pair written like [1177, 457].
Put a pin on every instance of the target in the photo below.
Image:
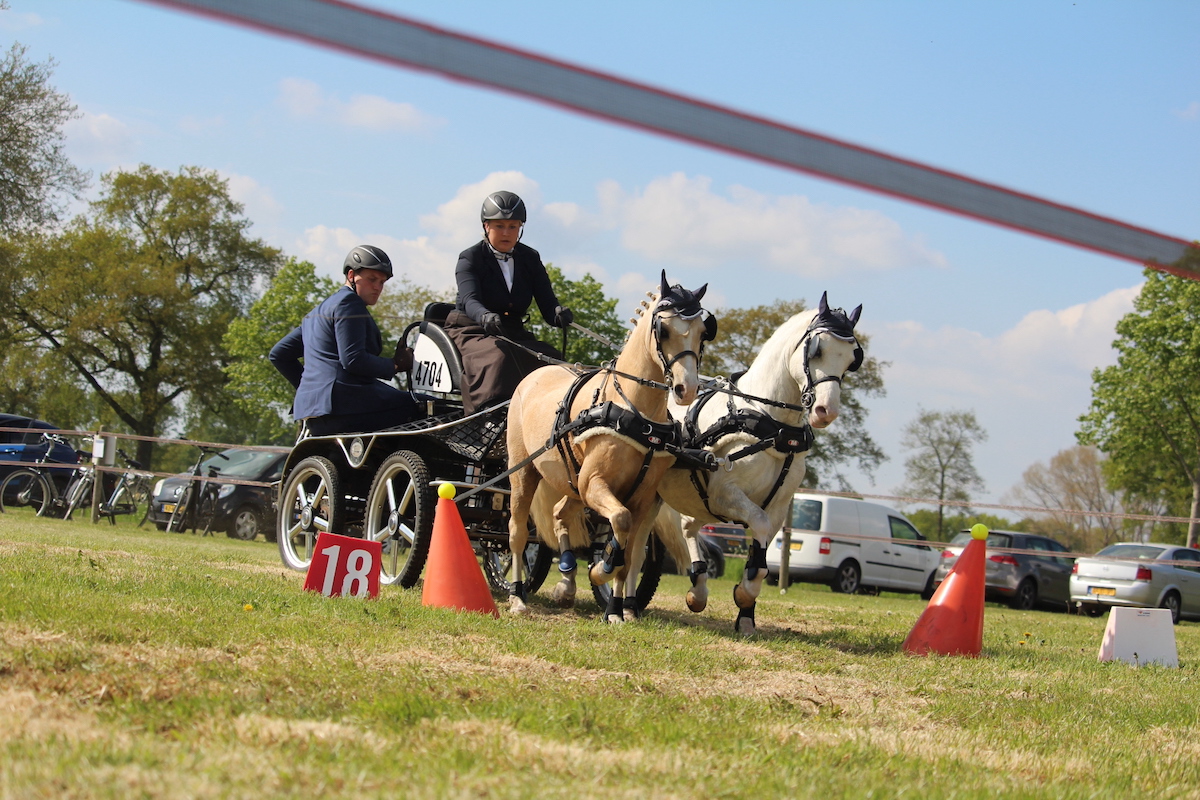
[142, 664]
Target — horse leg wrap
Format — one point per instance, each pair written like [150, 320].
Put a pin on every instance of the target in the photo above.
[698, 568]
[614, 607]
[614, 555]
[756, 561]
[631, 604]
[566, 561]
[744, 613]
[518, 590]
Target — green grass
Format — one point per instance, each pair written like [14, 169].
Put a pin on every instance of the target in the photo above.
[142, 664]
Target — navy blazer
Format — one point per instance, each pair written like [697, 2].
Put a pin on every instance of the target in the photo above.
[481, 286]
[340, 344]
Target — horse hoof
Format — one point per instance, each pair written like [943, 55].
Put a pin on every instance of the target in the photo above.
[742, 598]
[517, 607]
[563, 594]
[745, 626]
[614, 619]
[697, 602]
[598, 576]
[630, 615]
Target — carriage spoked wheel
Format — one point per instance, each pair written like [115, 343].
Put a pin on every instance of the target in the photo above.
[399, 516]
[652, 567]
[497, 564]
[311, 502]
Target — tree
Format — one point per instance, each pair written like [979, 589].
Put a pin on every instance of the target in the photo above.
[592, 309]
[133, 300]
[743, 331]
[402, 303]
[1145, 410]
[926, 521]
[1074, 480]
[942, 467]
[34, 172]
[255, 385]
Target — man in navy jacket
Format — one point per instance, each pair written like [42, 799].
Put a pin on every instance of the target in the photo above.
[338, 385]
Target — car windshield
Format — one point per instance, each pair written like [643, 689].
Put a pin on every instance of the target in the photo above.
[1140, 551]
[241, 463]
[994, 539]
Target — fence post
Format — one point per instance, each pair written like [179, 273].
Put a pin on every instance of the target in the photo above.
[785, 559]
[104, 452]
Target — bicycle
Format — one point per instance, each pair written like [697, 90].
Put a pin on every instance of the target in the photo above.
[131, 490]
[195, 504]
[34, 490]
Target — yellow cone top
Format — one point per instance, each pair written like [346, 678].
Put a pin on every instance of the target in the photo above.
[447, 491]
[978, 530]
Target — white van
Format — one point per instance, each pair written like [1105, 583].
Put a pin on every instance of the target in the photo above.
[853, 546]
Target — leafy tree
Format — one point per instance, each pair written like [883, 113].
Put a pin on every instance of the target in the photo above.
[742, 333]
[592, 309]
[133, 299]
[926, 521]
[255, 386]
[1145, 410]
[942, 467]
[34, 172]
[403, 302]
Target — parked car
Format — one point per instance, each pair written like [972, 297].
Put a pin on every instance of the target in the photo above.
[731, 538]
[1140, 576]
[242, 511]
[854, 546]
[710, 548]
[1022, 580]
[28, 445]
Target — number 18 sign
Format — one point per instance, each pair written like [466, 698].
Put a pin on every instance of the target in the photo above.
[343, 566]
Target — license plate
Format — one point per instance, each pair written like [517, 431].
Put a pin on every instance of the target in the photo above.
[1103, 590]
[797, 545]
[168, 508]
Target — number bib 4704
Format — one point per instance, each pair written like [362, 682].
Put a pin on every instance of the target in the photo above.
[344, 566]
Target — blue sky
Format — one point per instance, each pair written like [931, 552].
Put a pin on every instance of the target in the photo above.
[1091, 104]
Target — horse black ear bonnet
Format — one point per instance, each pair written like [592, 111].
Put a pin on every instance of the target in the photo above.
[837, 322]
[686, 304]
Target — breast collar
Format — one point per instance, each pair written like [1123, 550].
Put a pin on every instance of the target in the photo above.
[770, 432]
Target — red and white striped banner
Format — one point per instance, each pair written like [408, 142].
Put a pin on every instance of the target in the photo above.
[407, 43]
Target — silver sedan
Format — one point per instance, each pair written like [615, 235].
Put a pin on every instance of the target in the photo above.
[1140, 576]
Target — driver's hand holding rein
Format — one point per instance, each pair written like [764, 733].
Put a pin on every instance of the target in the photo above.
[498, 279]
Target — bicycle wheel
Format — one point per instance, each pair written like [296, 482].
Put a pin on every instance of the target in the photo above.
[79, 493]
[25, 493]
[400, 515]
[122, 501]
[311, 502]
[178, 523]
[207, 510]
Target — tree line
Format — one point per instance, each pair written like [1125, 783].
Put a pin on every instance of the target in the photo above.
[152, 311]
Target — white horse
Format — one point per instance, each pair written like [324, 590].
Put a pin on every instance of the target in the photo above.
[761, 432]
[602, 440]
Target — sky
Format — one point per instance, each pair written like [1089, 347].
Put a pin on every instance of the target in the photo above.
[1094, 105]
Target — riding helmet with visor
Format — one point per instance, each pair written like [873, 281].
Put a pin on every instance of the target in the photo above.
[367, 256]
[503, 205]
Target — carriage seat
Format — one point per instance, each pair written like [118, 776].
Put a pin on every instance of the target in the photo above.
[437, 364]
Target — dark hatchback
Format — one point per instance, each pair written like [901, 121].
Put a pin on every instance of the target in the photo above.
[243, 511]
[1039, 576]
[27, 445]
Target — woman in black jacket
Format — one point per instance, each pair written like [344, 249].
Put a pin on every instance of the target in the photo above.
[498, 278]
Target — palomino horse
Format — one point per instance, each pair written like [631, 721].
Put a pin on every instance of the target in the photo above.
[761, 431]
[605, 438]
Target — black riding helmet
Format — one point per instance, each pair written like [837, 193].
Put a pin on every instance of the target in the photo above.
[367, 256]
[502, 205]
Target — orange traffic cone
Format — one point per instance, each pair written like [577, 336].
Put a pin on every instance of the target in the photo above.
[452, 575]
[952, 623]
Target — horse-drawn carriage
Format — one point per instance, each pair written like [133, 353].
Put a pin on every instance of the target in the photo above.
[381, 485]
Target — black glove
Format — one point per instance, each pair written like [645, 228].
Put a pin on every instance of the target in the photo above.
[491, 323]
[563, 317]
[403, 357]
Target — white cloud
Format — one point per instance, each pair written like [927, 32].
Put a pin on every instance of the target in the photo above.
[16, 21]
[1027, 386]
[681, 220]
[305, 99]
[95, 138]
[261, 205]
[1190, 111]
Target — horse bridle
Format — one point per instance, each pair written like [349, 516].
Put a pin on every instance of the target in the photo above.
[656, 326]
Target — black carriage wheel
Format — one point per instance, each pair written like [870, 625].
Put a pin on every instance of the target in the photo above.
[652, 568]
[399, 515]
[311, 503]
[497, 564]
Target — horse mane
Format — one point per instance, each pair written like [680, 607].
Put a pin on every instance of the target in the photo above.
[767, 375]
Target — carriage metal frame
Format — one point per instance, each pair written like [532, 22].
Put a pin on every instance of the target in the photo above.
[382, 484]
